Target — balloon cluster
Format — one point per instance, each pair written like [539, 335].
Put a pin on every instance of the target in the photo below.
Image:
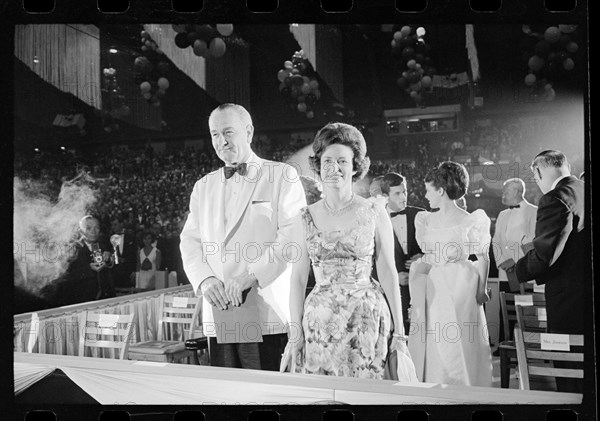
[114, 105]
[416, 66]
[151, 70]
[205, 40]
[298, 84]
[548, 54]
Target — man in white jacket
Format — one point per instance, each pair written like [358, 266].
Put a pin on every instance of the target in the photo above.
[237, 247]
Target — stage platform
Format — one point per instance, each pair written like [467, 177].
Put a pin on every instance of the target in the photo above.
[125, 382]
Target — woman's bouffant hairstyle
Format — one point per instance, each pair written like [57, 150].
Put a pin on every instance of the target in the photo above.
[341, 134]
[450, 176]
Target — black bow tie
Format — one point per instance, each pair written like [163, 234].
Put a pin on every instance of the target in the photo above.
[239, 168]
[515, 206]
[402, 212]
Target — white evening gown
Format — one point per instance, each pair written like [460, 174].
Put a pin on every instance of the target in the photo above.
[448, 338]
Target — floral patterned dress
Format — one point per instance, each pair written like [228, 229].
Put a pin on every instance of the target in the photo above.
[347, 323]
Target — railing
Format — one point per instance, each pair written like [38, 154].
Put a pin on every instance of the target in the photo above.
[58, 330]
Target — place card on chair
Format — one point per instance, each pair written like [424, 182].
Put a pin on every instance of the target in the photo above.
[524, 300]
[180, 302]
[554, 342]
[539, 288]
[108, 320]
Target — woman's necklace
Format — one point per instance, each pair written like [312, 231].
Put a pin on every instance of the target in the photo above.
[338, 212]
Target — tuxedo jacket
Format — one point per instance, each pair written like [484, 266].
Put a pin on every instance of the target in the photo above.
[256, 239]
[80, 283]
[560, 255]
[127, 260]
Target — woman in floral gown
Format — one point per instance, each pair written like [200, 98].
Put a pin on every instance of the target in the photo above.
[345, 327]
[448, 336]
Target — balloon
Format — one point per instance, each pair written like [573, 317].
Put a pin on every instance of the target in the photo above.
[225, 29]
[297, 80]
[144, 34]
[163, 83]
[413, 94]
[147, 95]
[217, 47]
[398, 36]
[542, 48]
[310, 114]
[411, 64]
[314, 84]
[413, 76]
[145, 87]
[415, 86]
[550, 95]
[405, 30]
[526, 29]
[568, 64]
[408, 53]
[547, 86]
[205, 32]
[552, 34]
[426, 81]
[200, 47]
[288, 64]
[564, 41]
[420, 31]
[394, 44]
[305, 79]
[181, 40]
[567, 29]
[301, 107]
[530, 79]
[156, 103]
[286, 91]
[572, 47]
[417, 98]
[192, 36]
[160, 93]
[178, 28]
[144, 48]
[281, 75]
[535, 63]
[281, 86]
[306, 89]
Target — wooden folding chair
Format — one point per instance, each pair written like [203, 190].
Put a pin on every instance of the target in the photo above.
[178, 321]
[536, 351]
[507, 348]
[106, 331]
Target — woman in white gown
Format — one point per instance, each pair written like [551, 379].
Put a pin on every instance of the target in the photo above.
[448, 337]
[148, 263]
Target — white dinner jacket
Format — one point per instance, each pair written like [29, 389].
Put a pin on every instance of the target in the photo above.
[256, 238]
[507, 242]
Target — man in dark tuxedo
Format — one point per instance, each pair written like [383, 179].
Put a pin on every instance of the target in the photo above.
[88, 276]
[126, 254]
[558, 256]
[406, 249]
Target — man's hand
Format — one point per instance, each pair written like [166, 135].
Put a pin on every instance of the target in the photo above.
[236, 286]
[412, 259]
[508, 265]
[214, 292]
[403, 278]
[97, 267]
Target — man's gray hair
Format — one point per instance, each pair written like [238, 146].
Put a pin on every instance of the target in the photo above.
[241, 112]
[517, 181]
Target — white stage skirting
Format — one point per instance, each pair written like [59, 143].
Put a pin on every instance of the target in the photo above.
[127, 382]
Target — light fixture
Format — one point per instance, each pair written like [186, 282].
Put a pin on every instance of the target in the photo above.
[36, 149]
[36, 59]
[62, 148]
[113, 50]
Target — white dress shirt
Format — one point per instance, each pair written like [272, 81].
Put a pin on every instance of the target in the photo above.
[400, 225]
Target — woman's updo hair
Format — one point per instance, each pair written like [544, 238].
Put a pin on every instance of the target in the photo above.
[341, 134]
[450, 176]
